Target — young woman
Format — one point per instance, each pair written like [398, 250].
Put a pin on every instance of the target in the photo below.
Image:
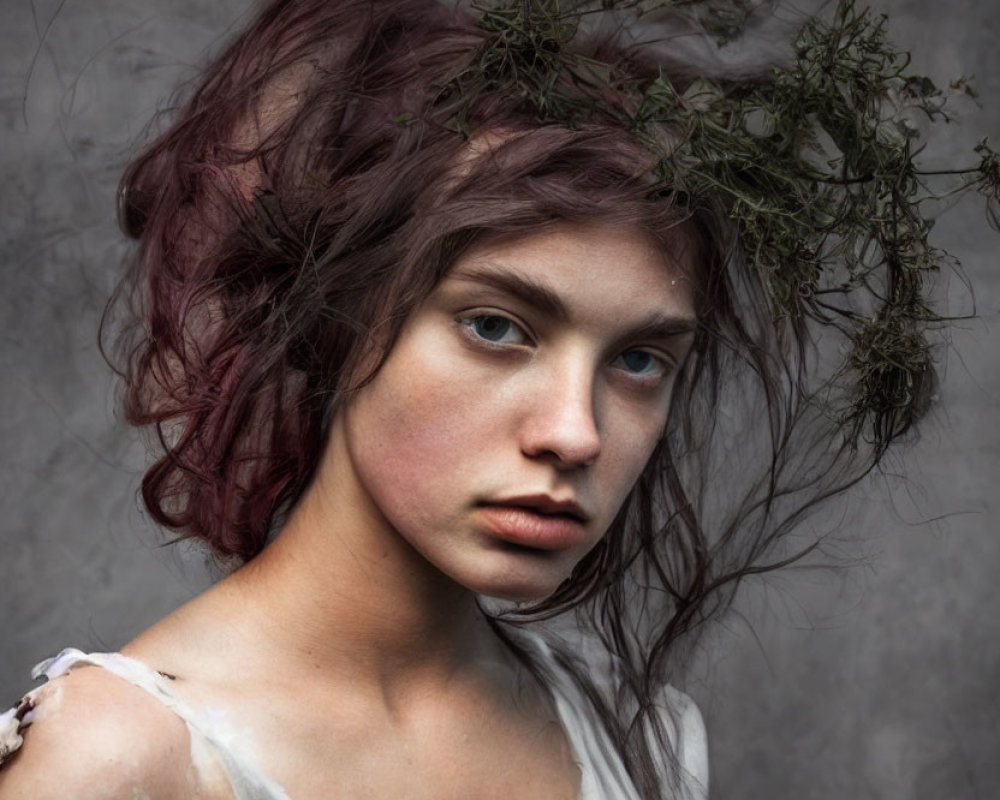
[432, 326]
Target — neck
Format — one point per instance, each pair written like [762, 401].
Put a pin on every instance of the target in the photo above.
[342, 590]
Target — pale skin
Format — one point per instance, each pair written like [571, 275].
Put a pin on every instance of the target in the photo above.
[489, 454]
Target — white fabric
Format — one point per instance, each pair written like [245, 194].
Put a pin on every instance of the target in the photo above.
[248, 782]
[603, 776]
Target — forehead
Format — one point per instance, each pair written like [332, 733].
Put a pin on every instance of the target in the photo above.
[620, 269]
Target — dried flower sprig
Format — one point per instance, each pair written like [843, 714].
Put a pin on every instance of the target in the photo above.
[813, 165]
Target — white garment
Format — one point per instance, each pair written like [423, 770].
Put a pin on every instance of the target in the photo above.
[603, 776]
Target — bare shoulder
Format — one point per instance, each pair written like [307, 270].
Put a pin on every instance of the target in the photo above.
[96, 736]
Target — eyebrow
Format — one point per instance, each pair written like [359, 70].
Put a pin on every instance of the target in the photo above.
[542, 298]
[519, 285]
[662, 326]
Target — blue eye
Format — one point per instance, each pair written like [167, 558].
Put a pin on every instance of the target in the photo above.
[640, 362]
[494, 328]
[646, 367]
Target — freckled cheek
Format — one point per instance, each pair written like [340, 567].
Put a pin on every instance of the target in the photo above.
[419, 423]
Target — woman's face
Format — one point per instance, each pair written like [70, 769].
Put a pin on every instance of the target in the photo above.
[521, 402]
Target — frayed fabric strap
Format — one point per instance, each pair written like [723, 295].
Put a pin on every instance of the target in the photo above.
[247, 780]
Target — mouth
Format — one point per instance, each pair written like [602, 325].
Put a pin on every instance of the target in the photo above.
[535, 523]
[544, 505]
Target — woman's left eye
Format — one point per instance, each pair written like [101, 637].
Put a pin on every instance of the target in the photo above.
[641, 363]
[496, 329]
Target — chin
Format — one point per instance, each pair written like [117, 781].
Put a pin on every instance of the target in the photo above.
[520, 590]
[513, 574]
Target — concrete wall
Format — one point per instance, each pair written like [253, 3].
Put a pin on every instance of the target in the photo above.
[881, 681]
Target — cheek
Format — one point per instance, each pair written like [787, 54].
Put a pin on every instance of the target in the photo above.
[414, 429]
[629, 446]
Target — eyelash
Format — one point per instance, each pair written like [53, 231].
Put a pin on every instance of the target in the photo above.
[650, 379]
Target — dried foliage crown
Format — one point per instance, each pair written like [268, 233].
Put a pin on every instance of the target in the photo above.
[813, 165]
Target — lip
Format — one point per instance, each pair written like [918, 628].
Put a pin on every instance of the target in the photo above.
[543, 504]
[535, 521]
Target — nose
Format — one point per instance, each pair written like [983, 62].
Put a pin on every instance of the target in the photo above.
[563, 425]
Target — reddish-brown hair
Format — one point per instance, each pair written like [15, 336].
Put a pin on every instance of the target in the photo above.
[305, 194]
[310, 193]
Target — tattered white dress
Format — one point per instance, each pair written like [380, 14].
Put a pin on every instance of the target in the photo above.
[603, 776]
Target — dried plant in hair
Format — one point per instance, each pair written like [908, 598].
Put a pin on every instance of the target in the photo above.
[814, 165]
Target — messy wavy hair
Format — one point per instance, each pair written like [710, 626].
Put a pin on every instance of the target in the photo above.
[308, 194]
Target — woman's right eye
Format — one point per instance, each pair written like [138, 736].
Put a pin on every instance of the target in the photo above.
[496, 329]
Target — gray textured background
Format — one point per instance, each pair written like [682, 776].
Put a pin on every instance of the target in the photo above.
[879, 681]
